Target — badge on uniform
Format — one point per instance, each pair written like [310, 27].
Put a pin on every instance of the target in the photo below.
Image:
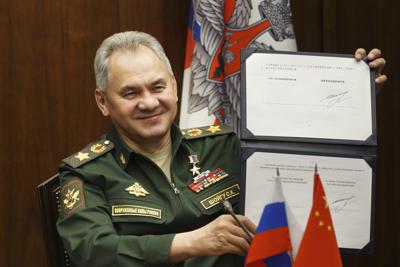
[214, 129]
[137, 190]
[194, 159]
[194, 132]
[97, 148]
[82, 156]
[206, 179]
[72, 196]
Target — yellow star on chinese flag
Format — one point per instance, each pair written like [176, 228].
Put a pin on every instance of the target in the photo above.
[214, 129]
[326, 202]
[82, 156]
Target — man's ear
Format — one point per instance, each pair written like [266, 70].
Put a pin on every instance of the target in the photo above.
[101, 102]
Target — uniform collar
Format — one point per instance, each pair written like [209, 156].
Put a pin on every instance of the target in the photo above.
[179, 139]
[122, 153]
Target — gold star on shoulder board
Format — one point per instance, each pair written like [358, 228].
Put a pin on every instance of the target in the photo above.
[137, 190]
[82, 156]
[214, 129]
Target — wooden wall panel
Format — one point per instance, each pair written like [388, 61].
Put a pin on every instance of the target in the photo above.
[346, 25]
[5, 164]
[48, 108]
[173, 38]
[307, 19]
[372, 24]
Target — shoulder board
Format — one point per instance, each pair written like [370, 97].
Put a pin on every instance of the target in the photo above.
[89, 152]
[206, 131]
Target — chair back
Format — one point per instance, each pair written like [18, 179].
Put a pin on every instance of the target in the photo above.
[49, 203]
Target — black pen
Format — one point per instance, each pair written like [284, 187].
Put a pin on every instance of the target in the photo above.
[228, 208]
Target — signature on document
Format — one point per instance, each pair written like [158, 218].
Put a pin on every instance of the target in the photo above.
[339, 204]
[333, 99]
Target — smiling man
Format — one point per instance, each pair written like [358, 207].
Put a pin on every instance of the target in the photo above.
[145, 193]
[148, 193]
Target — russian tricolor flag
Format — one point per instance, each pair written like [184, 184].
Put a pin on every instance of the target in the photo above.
[271, 244]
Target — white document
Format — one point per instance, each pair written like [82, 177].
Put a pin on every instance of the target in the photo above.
[307, 96]
[347, 183]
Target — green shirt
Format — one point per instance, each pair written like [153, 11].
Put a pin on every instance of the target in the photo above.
[118, 208]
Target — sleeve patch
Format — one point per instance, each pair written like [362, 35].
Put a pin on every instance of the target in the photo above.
[72, 197]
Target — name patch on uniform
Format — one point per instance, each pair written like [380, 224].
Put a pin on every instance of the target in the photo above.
[124, 210]
[215, 199]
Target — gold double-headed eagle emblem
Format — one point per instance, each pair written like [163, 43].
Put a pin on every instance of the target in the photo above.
[137, 190]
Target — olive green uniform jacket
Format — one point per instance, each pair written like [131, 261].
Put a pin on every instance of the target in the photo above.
[118, 208]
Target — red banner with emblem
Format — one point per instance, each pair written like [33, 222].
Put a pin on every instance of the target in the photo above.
[217, 30]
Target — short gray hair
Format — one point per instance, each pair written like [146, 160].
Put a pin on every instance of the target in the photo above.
[124, 40]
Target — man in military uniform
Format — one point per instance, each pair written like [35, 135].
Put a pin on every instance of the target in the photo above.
[147, 193]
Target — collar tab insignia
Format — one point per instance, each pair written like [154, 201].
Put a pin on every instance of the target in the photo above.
[137, 190]
[122, 158]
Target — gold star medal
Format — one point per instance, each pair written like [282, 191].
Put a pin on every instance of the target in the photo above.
[137, 190]
[194, 159]
[195, 170]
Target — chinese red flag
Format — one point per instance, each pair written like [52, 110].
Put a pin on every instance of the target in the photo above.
[319, 247]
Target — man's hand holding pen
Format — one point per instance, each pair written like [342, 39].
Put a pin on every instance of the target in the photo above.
[228, 209]
[224, 235]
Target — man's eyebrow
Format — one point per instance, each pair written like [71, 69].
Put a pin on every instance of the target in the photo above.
[133, 87]
[159, 81]
[127, 88]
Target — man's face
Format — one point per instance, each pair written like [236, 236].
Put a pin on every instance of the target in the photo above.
[141, 97]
